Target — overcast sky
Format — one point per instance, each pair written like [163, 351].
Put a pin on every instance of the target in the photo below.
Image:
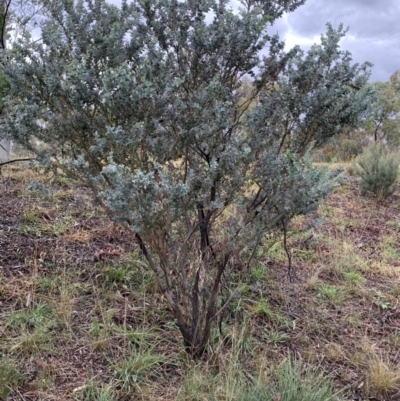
[374, 30]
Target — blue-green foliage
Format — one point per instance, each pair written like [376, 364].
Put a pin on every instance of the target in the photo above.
[143, 104]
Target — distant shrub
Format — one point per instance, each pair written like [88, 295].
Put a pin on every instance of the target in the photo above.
[349, 149]
[340, 149]
[351, 168]
[377, 170]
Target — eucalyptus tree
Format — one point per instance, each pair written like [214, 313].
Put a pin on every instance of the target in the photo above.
[144, 102]
[383, 121]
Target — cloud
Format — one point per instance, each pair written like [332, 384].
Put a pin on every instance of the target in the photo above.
[374, 33]
[366, 18]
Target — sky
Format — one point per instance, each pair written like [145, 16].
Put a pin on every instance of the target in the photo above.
[374, 30]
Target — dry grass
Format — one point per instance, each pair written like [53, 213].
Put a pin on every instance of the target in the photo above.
[383, 379]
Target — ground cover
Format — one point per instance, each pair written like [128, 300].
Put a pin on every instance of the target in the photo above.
[81, 317]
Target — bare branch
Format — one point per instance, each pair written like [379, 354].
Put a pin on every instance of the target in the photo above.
[16, 160]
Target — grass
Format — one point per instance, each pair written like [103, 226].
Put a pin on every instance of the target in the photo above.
[291, 383]
[96, 392]
[387, 246]
[383, 379]
[139, 368]
[39, 221]
[258, 273]
[353, 276]
[33, 343]
[328, 291]
[32, 317]
[10, 376]
[273, 336]
[81, 316]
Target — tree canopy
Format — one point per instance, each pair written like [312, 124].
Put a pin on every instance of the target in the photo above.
[143, 104]
[383, 121]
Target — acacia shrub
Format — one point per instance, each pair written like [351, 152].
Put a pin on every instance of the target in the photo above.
[142, 104]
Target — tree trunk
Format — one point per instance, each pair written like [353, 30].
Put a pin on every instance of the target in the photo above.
[5, 148]
[5, 144]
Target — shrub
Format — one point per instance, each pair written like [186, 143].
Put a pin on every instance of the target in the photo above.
[349, 149]
[377, 170]
[145, 108]
[340, 149]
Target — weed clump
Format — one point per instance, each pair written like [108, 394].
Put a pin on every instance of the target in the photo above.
[377, 170]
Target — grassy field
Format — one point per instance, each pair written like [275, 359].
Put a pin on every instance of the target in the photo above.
[81, 317]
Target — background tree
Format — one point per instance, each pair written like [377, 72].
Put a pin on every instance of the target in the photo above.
[383, 121]
[16, 16]
[144, 102]
[5, 144]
